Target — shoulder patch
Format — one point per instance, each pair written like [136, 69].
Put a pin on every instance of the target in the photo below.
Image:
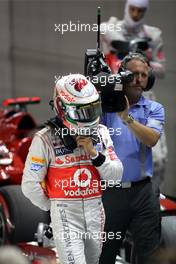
[39, 160]
[62, 151]
[112, 153]
[36, 167]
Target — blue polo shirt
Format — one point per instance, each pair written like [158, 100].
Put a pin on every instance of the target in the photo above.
[135, 156]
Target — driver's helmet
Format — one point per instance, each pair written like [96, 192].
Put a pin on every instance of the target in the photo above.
[77, 103]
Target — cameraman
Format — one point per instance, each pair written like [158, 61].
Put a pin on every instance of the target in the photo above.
[131, 28]
[135, 205]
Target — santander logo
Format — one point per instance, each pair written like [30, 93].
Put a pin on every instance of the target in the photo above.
[67, 159]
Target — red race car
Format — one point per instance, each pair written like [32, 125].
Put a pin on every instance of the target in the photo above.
[19, 219]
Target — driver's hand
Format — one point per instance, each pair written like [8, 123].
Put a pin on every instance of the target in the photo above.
[87, 144]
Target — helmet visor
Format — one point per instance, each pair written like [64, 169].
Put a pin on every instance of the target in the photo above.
[84, 113]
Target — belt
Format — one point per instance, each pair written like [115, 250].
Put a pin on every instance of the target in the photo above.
[126, 185]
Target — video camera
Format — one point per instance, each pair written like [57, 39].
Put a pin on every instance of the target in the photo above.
[110, 86]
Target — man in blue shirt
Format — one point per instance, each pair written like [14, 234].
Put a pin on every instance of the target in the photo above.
[134, 206]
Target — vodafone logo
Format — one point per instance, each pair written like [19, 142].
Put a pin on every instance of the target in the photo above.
[82, 177]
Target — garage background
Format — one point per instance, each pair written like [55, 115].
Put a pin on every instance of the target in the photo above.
[33, 55]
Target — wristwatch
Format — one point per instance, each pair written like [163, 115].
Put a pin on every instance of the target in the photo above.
[129, 120]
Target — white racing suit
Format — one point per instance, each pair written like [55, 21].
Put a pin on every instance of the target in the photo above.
[116, 29]
[67, 182]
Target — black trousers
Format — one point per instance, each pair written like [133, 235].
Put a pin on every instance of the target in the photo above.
[137, 210]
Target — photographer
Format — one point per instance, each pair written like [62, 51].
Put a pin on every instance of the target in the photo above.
[64, 168]
[135, 205]
[131, 31]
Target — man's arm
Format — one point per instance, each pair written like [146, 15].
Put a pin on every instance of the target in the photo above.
[106, 161]
[158, 61]
[148, 134]
[157, 58]
[34, 173]
[110, 30]
[144, 134]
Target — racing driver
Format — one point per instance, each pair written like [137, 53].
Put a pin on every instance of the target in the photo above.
[65, 167]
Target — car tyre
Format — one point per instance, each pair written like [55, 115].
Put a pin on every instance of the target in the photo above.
[21, 216]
